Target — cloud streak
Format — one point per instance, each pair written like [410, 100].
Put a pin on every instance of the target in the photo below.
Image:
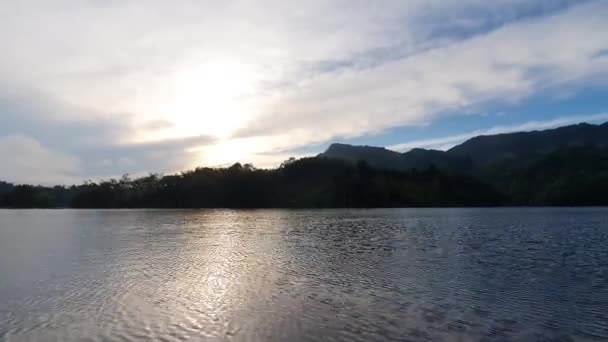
[509, 63]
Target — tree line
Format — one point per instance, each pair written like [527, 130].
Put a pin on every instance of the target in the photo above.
[304, 183]
[569, 176]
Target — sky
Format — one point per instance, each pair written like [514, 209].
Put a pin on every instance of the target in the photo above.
[93, 89]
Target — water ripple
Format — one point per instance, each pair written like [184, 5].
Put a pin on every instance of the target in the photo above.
[332, 275]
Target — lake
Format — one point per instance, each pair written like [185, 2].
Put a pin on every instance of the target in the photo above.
[508, 274]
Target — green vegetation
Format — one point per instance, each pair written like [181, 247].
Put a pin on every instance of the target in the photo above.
[565, 166]
[576, 175]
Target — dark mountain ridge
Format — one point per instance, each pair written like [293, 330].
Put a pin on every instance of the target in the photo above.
[478, 151]
[490, 148]
[377, 157]
[562, 166]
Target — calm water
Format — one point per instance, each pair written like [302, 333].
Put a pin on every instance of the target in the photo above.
[277, 275]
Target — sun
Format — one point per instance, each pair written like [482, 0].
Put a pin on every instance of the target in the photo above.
[228, 152]
[214, 99]
[209, 99]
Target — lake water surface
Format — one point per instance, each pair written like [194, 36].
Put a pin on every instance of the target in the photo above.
[316, 275]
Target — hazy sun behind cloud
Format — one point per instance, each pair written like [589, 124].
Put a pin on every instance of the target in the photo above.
[209, 99]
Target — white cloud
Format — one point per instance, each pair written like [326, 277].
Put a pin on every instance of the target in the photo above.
[445, 143]
[25, 160]
[316, 70]
[123, 56]
[506, 64]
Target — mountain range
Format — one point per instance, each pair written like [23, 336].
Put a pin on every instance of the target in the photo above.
[478, 152]
[565, 165]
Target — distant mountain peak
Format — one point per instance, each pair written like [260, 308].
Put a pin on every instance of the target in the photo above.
[341, 146]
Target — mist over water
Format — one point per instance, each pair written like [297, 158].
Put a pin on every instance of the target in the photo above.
[507, 274]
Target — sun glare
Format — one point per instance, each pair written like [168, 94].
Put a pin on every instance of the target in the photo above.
[210, 99]
[227, 152]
